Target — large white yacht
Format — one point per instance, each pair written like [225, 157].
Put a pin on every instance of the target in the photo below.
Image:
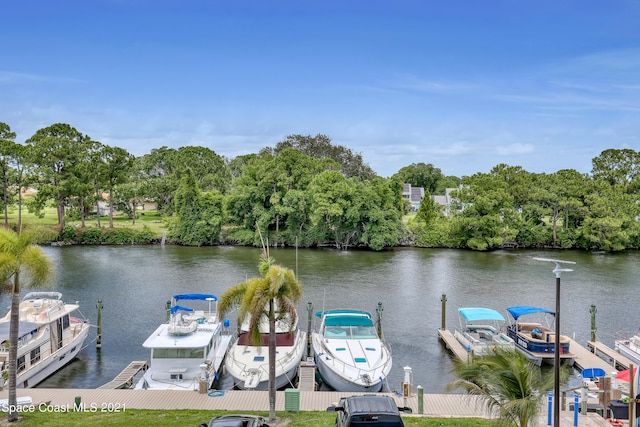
[188, 350]
[49, 337]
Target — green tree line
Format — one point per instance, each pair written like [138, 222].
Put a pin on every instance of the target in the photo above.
[307, 191]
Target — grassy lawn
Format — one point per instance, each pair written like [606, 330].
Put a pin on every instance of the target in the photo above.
[150, 219]
[159, 418]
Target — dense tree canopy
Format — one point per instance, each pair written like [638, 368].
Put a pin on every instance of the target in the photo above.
[307, 191]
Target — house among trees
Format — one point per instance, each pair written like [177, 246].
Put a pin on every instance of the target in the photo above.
[414, 195]
[447, 203]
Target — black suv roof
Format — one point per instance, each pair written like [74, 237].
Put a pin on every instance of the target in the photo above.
[371, 404]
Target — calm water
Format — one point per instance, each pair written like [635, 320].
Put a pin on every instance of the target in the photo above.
[134, 284]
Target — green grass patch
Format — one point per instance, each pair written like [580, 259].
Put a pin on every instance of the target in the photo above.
[173, 418]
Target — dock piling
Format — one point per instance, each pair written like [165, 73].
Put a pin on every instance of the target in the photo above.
[443, 325]
[99, 332]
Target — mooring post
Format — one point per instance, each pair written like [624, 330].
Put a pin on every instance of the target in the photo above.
[168, 307]
[443, 326]
[420, 399]
[593, 311]
[99, 337]
[379, 312]
[309, 314]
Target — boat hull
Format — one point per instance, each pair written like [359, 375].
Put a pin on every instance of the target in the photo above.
[337, 382]
[539, 351]
[248, 365]
[56, 361]
[628, 349]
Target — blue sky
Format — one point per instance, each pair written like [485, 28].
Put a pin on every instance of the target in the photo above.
[463, 85]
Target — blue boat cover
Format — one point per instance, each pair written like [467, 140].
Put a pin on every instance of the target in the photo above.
[521, 310]
[593, 373]
[178, 307]
[472, 314]
[199, 297]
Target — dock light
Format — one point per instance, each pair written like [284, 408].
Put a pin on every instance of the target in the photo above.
[558, 270]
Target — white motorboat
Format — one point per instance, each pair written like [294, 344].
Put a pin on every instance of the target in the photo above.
[629, 347]
[349, 353]
[49, 337]
[187, 351]
[248, 363]
[481, 331]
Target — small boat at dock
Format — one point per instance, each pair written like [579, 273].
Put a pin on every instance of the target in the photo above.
[248, 363]
[629, 346]
[50, 336]
[350, 355]
[188, 350]
[534, 339]
[481, 331]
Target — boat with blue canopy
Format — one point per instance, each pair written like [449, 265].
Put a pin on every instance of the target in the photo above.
[188, 350]
[535, 339]
[350, 354]
[481, 331]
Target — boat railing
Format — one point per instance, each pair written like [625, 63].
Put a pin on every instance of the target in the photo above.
[281, 362]
[342, 366]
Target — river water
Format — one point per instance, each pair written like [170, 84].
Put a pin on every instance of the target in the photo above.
[134, 283]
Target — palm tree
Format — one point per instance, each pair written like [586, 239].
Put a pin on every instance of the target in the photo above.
[277, 287]
[507, 383]
[19, 254]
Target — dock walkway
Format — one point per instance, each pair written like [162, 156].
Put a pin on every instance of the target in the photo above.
[121, 400]
[583, 357]
[125, 378]
[617, 360]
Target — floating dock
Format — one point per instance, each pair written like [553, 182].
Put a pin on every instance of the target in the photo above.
[307, 375]
[583, 357]
[125, 378]
[617, 360]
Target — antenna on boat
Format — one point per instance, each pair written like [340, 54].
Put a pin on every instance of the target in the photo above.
[210, 299]
[558, 270]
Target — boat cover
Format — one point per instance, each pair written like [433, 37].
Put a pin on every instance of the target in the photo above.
[472, 314]
[593, 373]
[25, 328]
[343, 311]
[521, 310]
[175, 308]
[199, 297]
[346, 318]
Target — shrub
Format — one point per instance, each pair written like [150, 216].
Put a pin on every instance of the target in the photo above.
[91, 236]
[145, 236]
[67, 234]
[119, 236]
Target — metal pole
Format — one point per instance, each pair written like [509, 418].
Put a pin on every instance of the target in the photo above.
[558, 270]
[556, 359]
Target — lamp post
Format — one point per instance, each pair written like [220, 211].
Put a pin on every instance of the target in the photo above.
[558, 270]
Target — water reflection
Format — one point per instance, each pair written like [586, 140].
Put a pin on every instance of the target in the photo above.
[134, 284]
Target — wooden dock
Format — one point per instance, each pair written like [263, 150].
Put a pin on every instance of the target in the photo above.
[453, 345]
[125, 378]
[307, 375]
[617, 360]
[583, 357]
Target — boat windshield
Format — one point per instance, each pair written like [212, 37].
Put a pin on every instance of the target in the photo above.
[358, 332]
[178, 353]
